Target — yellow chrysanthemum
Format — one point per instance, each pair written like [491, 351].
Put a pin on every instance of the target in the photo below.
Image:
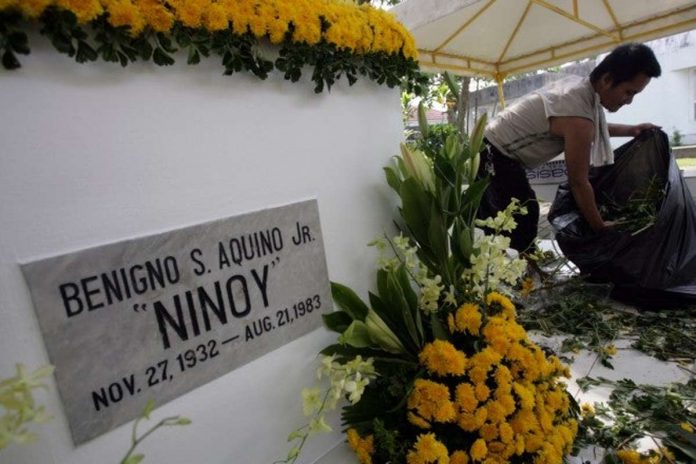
[523, 421]
[125, 13]
[428, 450]
[85, 10]
[156, 15]
[482, 392]
[7, 4]
[465, 397]
[32, 8]
[495, 452]
[499, 302]
[629, 456]
[479, 450]
[687, 427]
[431, 401]
[496, 411]
[507, 403]
[442, 358]
[533, 442]
[418, 421]
[360, 29]
[190, 12]
[507, 435]
[364, 448]
[459, 457]
[527, 286]
[215, 17]
[466, 318]
[489, 432]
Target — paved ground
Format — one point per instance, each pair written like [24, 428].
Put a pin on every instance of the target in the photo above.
[545, 230]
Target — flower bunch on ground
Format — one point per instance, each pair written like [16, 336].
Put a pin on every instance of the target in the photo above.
[334, 37]
[457, 379]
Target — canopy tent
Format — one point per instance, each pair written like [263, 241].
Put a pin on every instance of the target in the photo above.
[496, 38]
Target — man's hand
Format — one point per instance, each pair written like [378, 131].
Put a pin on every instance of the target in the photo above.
[638, 128]
[625, 130]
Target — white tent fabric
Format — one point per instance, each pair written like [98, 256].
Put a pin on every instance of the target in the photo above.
[496, 38]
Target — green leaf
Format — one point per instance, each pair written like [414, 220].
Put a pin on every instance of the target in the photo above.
[422, 120]
[85, 52]
[437, 236]
[337, 321]
[123, 58]
[347, 352]
[439, 330]
[356, 335]
[348, 301]
[392, 178]
[134, 459]
[465, 242]
[193, 56]
[477, 135]
[18, 42]
[161, 58]
[444, 170]
[471, 199]
[147, 410]
[415, 209]
[390, 315]
[690, 451]
[10, 61]
[405, 284]
[397, 301]
[453, 147]
[452, 85]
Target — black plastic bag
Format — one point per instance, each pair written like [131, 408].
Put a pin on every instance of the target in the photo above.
[653, 268]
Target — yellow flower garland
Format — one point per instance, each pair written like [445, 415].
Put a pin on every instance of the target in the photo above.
[360, 29]
[336, 38]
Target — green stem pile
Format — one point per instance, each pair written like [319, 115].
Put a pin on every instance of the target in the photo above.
[639, 212]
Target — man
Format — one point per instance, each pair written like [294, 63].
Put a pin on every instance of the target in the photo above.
[564, 116]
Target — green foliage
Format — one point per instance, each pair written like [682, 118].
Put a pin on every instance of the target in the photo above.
[582, 312]
[238, 53]
[439, 203]
[665, 413]
[433, 142]
[12, 39]
[676, 138]
[18, 407]
[639, 211]
[130, 457]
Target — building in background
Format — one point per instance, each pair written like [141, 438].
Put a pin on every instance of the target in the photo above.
[669, 101]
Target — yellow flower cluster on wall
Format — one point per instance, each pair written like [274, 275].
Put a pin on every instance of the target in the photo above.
[360, 34]
[361, 28]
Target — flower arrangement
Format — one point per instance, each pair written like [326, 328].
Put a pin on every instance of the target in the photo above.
[451, 377]
[18, 406]
[334, 37]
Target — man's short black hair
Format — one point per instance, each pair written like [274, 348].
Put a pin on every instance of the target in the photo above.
[625, 62]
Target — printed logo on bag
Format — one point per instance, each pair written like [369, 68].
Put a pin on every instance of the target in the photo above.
[552, 172]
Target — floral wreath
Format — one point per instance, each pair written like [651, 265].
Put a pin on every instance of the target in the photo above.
[333, 37]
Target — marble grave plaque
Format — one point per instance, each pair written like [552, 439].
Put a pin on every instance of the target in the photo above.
[157, 316]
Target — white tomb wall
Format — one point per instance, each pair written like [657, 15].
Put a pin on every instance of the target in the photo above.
[94, 154]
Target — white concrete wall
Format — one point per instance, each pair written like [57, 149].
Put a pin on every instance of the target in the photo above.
[93, 154]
